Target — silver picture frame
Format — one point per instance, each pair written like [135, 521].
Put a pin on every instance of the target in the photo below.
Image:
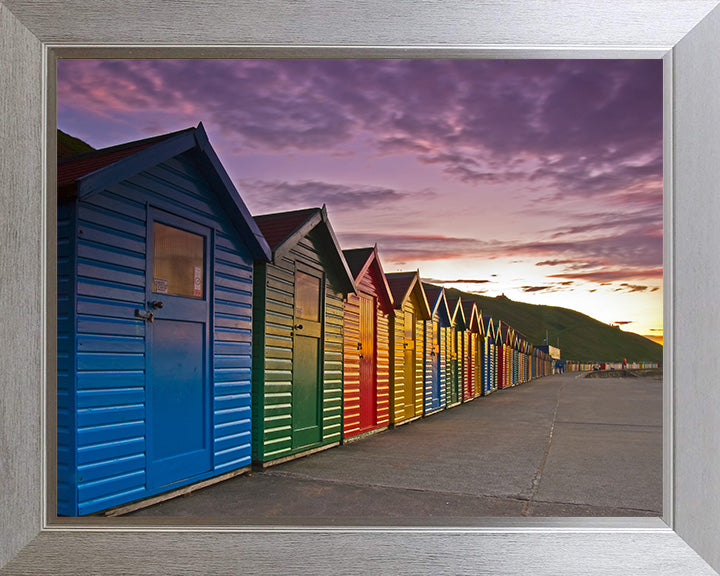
[685, 34]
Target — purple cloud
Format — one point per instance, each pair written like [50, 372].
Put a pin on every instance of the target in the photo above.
[269, 195]
[399, 248]
[458, 281]
[605, 277]
[589, 126]
[536, 288]
[573, 144]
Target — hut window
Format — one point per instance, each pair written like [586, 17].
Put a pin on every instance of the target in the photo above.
[178, 262]
[307, 296]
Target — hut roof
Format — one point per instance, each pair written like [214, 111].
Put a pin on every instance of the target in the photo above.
[363, 261]
[437, 300]
[457, 313]
[285, 229]
[86, 174]
[432, 292]
[402, 284]
[471, 315]
[71, 169]
[505, 332]
[488, 326]
[357, 259]
[279, 226]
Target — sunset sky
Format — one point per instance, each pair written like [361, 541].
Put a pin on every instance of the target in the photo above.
[539, 179]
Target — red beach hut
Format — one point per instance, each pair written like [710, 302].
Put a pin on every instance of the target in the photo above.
[366, 346]
[457, 351]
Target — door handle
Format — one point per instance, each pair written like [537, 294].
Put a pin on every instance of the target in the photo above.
[144, 314]
[297, 327]
[155, 304]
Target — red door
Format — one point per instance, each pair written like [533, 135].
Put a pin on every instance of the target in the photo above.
[368, 379]
[469, 367]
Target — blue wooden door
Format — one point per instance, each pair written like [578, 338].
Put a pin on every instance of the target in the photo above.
[178, 381]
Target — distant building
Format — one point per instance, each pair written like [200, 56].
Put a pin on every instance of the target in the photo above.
[551, 350]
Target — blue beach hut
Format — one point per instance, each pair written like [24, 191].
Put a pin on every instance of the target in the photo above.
[155, 263]
[489, 355]
[438, 350]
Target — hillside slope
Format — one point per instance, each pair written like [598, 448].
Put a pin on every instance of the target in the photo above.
[580, 337]
[70, 146]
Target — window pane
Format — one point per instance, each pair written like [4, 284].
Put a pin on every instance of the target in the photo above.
[307, 297]
[178, 262]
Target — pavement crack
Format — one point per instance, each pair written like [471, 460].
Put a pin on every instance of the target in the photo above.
[614, 424]
[535, 486]
[598, 506]
[382, 486]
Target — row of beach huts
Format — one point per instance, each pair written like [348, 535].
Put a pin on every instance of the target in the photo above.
[194, 340]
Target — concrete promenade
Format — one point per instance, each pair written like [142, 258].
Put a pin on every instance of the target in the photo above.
[562, 445]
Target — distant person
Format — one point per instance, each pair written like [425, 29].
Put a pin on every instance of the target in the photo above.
[624, 363]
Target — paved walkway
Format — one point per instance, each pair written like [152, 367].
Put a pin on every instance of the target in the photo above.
[559, 446]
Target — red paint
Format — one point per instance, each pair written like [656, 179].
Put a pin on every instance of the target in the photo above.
[368, 364]
[366, 346]
[470, 352]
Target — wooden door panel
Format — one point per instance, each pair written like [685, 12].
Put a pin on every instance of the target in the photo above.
[368, 361]
[178, 389]
[307, 355]
[409, 376]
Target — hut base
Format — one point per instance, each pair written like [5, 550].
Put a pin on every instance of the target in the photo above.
[276, 461]
[363, 435]
[406, 421]
[150, 501]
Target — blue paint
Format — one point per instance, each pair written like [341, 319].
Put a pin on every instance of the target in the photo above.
[145, 407]
[435, 369]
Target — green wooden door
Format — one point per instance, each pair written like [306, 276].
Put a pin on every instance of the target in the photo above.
[307, 351]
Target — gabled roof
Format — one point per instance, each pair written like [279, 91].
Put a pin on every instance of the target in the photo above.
[457, 315]
[520, 341]
[284, 230]
[72, 169]
[87, 174]
[504, 333]
[488, 326]
[363, 261]
[472, 317]
[402, 285]
[507, 332]
[436, 298]
[523, 343]
[280, 226]
[358, 259]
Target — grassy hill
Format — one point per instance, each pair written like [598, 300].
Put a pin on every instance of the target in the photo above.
[70, 146]
[580, 337]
